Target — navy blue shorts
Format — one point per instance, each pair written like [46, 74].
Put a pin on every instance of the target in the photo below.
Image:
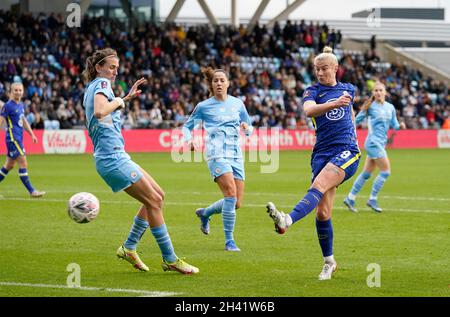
[344, 157]
[14, 149]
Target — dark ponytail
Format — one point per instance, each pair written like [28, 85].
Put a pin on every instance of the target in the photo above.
[99, 57]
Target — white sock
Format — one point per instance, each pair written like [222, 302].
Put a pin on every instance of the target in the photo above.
[373, 197]
[329, 259]
[351, 196]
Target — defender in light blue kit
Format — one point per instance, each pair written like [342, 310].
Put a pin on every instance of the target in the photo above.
[116, 167]
[381, 116]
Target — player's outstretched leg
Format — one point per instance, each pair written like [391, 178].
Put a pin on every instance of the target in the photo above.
[282, 221]
[204, 214]
[128, 250]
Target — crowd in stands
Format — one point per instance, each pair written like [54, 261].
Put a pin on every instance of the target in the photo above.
[269, 70]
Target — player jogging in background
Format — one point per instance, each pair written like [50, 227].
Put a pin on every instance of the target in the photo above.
[223, 116]
[381, 116]
[335, 155]
[13, 114]
[116, 167]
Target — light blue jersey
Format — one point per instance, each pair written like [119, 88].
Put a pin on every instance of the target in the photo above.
[381, 117]
[112, 163]
[221, 120]
[105, 133]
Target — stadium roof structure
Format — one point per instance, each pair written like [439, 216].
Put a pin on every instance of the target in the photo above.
[234, 16]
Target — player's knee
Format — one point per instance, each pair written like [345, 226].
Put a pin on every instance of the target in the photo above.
[320, 185]
[154, 203]
[323, 214]
[366, 175]
[229, 191]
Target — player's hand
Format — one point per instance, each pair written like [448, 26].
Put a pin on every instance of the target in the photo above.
[34, 138]
[246, 128]
[402, 125]
[343, 100]
[135, 91]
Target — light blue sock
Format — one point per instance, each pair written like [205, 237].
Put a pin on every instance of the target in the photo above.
[165, 244]
[378, 184]
[23, 174]
[137, 230]
[3, 173]
[359, 183]
[229, 217]
[215, 208]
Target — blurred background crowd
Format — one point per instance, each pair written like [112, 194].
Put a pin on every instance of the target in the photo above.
[269, 70]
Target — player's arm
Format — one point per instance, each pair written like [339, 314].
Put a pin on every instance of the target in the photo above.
[103, 107]
[2, 121]
[246, 122]
[312, 109]
[194, 120]
[394, 121]
[27, 128]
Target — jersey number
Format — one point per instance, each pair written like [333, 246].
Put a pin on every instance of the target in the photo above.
[345, 154]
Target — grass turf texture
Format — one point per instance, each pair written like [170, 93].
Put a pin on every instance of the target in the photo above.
[409, 240]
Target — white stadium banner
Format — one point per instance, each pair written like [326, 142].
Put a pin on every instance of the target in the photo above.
[444, 139]
[64, 141]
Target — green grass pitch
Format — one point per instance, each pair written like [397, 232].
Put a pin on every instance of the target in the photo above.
[409, 240]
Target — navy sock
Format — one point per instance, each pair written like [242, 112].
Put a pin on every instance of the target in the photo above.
[3, 173]
[325, 235]
[23, 174]
[306, 205]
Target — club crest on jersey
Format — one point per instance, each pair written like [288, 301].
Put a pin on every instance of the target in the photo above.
[133, 174]
[103, 84]
[335, 114]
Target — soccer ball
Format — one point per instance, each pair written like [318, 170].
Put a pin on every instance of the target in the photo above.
[83, 207]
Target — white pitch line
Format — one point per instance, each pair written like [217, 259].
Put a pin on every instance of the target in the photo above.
[96, 289]
[262, 205]
[95, 191]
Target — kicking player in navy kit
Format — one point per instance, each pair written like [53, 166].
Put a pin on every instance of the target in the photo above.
[13, 113]
[335, 156]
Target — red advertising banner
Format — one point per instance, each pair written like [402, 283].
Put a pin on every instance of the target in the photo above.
[78, 141]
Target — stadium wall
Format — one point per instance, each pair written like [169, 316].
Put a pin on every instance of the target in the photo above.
[78, 141]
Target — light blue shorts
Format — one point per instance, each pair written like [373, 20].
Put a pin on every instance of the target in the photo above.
[375, 150]
[221, 166]
[118, 170]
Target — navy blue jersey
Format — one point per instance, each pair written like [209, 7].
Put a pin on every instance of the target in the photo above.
[335, 127]
[14, 114]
